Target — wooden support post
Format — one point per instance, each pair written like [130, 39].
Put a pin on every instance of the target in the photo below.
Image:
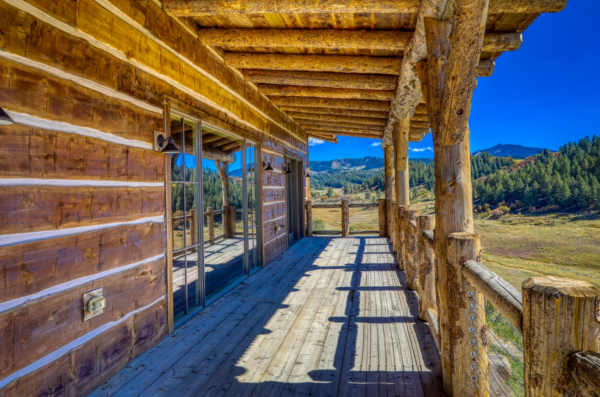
[225, 217]
[381, 205]
[400, 214]
[393, 210]
[426, 263]
[560, 317]
[309, 224]
[458, 332]
[193, 227]
[345, 218]
[232, 216]
[211, 225]
[388, 156]
[400, 135]
[583, 370]
[410, 248]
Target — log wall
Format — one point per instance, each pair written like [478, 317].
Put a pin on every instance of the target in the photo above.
[82, 193]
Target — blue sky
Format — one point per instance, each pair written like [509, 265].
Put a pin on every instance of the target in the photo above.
[545, 94]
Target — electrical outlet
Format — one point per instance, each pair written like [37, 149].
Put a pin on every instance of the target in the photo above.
[93, 304]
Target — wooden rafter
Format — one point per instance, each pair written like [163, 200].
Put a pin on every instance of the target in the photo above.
[378, 106]
[323, 92]
[334, 118]
[326, 137]
[346, 133]
[306, 38]
[314, 63]
[336, 111]
[335, 129]
[187, 8]
[310, 123]
[322, 79]
[337, 39]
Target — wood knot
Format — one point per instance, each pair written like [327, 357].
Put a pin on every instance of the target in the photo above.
[26, 274]
[144, 273]
[89, 254]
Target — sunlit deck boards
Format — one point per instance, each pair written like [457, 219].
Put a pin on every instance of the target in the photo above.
[330, 317]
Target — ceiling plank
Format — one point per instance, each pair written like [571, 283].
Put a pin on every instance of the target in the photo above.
[335, 129]
[379, 106]
[336, 112]
[348, 133]
[306, 38]
[324, 92]
[329, 117]
[198, 8]
[310, 123]
[314, 63]
[322, 79]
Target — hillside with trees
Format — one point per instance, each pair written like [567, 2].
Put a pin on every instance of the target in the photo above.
[565, 181]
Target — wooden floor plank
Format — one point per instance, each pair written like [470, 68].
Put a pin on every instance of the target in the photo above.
[330, 317]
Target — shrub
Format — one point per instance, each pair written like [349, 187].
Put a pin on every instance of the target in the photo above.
[504, 209]
[318, 224]
[496, 214]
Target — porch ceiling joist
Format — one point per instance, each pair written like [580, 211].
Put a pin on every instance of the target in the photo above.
[337, 39]
[188, 8]
[299, 115]
[356, 104]
[324, 92]
[322, 79]
[335, 111]
[326, 137]
[304, 123]
[336, 129]
[346, 133]
[315, 63]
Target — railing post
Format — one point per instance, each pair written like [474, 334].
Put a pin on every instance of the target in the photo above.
[462, 322]
[426, 264]
[193, 226]
[225, 217]
[345, 218]
[560, 317]
[400, 212]
[211, 225]
[392, 232]
[410, 248]
[232, 215]
[382, 220]
[309, 224]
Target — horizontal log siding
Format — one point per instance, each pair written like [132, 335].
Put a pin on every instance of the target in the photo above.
[38, 328]
[27, 152]
[29, 268]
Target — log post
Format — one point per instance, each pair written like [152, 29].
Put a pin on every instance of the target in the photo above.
[232, 219]
[583, 371]
[309, 225]
[193, 227]
[560, 317]
[400, 134]
[211, 225]
[388, 156]
[381, 205]
[393, 233]
[410, 248]
[426, 263]
[400, 214]
[462, 325]
[345, 218]
[225, 218]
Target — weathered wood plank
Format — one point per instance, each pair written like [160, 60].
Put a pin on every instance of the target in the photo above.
[324, 92]
[32, 267]
[40, 327]
[37, 208]
[322, 79]
[27, 152]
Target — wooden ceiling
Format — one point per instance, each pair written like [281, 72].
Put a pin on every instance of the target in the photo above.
[336, 72]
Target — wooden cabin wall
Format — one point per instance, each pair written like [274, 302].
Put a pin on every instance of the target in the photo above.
[82, 195]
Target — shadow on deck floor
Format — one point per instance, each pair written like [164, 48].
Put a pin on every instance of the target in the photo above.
[329, 317]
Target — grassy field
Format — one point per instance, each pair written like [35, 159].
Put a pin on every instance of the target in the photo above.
[516, 247]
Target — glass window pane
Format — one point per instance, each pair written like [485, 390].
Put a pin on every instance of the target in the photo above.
[176, 158]
[193, 278]
[191, 155]
[179, 286]
[177, 204]
[192, 215]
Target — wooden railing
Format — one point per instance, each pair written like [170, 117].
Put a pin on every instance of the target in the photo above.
[558, 318]
[345, 206]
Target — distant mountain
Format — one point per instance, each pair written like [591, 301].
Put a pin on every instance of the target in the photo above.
[515, 151]
[365, 163]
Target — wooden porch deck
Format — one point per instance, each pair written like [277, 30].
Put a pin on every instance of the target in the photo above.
[331, 316]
